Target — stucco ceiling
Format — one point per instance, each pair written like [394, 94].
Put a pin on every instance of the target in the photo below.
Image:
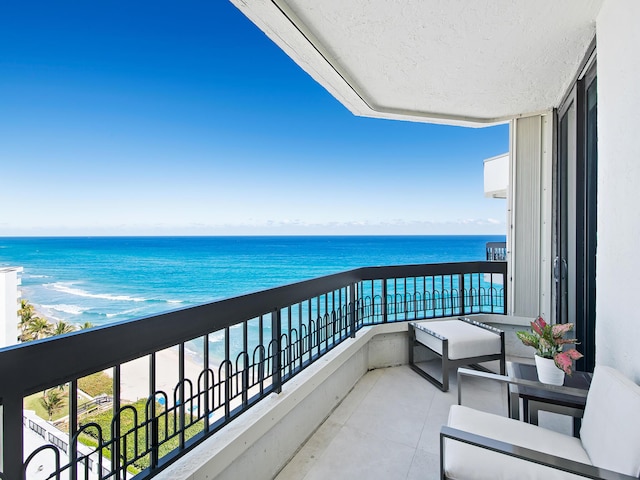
[443, 61]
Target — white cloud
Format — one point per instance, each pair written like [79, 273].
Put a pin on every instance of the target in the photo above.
[294, 226]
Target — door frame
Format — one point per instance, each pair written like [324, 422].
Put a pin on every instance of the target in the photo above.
[575, 265]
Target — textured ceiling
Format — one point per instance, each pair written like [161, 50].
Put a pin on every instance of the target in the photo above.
[448, 61]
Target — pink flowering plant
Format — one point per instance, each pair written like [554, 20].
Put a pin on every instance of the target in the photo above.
[549, 343]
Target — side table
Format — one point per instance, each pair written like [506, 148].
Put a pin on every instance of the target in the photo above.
[536, 398]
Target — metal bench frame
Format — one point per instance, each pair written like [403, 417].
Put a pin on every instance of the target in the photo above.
[448, 363]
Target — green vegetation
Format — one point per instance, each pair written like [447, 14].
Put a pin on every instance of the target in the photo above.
[62, 327]
[97, 384]
[52, 401]
[127, 424]
[32, 327]
[33, 402]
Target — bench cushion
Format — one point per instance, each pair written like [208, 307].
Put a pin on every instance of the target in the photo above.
[463, 461]
[610, 432]
[465, 340]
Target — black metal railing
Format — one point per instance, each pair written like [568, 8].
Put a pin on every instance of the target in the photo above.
[242, 349]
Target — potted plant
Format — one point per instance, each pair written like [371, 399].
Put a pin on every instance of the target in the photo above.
[552, 362]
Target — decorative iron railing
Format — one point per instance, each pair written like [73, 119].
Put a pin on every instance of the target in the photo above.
[243, 348]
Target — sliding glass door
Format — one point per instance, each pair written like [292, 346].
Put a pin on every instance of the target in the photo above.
[575, 193]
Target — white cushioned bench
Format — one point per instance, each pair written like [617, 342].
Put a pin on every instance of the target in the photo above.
[457, 342]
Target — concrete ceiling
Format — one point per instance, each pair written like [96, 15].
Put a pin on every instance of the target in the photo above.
[465, 62]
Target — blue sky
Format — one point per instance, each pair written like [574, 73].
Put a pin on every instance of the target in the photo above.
[121, 118]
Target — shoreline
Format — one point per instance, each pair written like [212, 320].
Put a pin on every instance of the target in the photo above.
[134, 375]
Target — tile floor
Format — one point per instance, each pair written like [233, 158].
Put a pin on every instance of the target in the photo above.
[388, 428]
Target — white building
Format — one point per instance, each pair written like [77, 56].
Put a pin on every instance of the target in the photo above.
[496, 176]
[9, 305]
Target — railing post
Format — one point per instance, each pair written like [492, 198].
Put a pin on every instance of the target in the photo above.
[227, 374]
[276, 328]
[353, 302]
[462, 290]
[181, 409]
[11, 440]
[115, 434]
[385, 317]
[245, 364]
[505, 283]
[155, 435]
[73, 428]
[491, 299]
[205, 350]
[153, 428]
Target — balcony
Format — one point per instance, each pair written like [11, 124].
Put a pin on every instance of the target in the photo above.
[388, 428]
[272, 365]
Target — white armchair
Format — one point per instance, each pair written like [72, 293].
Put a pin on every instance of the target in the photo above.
[479, 445]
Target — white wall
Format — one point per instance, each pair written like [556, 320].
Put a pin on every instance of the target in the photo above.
[618, 256]
[496, 176]
[9, 294]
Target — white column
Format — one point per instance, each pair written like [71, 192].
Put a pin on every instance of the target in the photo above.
[9, 296]
[530, 217]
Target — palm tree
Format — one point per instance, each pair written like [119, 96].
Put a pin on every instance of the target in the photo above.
[38, 328]
[52, 400]
[62, 327]
[26, 314]
[86, 325]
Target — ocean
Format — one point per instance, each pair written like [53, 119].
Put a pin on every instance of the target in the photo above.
[107, 279]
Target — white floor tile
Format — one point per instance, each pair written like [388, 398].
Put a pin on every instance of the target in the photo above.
[388, 428]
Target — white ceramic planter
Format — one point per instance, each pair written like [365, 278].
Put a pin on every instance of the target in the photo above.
[548, 372]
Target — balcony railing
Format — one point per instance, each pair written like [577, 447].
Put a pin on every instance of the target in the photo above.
[496, 251]
[246, 346]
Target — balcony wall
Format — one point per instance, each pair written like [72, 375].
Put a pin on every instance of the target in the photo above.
[263, 440]
[260, 443]
[618, 260]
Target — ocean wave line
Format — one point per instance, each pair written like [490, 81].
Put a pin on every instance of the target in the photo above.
[123, 313]
[64, 288]
[216, 337]
[66, 308]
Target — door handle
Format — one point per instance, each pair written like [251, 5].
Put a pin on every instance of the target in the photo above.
[560, 271]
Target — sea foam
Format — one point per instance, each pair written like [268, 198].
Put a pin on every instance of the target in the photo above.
[65, 308]
[68, 289]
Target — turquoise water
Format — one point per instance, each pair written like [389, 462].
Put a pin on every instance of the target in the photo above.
[106, 279]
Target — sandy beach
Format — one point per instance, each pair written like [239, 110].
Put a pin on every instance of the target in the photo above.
[134, 375]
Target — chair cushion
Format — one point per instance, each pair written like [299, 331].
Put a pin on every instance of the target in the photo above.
[465, 340]
[466, 462]
[610, 431]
